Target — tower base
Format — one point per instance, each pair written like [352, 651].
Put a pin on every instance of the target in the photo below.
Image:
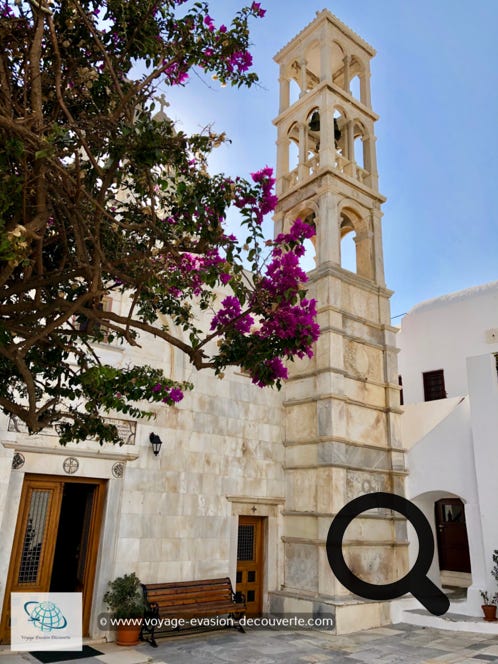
[348, 614]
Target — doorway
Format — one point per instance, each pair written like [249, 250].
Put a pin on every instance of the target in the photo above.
[250, 562]
[56, 540]
[452, 541]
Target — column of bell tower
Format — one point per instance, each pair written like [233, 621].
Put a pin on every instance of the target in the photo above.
[342, 436]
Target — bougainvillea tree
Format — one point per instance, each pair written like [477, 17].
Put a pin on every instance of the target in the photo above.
[102, 197]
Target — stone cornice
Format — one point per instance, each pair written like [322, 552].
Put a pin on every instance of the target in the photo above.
[369, 543]
[314, 180]
[330, 515]
[345, 441]
[332, 269]
[310, 99]
[322, 17]
[34, 448]
[361, 469]
[257, 500]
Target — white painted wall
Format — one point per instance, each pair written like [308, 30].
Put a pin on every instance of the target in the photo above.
[442, 333]
[441, 465]
[456, 455]
[452, 443]
[483, 383]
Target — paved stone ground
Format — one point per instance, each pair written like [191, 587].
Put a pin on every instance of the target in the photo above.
[397, 644]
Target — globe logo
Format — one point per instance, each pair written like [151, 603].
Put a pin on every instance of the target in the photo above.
[46, 616]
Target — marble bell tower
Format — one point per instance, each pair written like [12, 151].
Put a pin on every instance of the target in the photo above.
[342, 436]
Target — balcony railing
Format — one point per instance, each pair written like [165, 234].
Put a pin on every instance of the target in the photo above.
[312, 166]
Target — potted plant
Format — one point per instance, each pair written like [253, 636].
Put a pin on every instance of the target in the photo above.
[488, 606]
[494, 571]
[125, 599]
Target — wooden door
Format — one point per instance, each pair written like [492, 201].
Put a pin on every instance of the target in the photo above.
[39, 532]
[453, 545]
[250, 562]
[33, 550]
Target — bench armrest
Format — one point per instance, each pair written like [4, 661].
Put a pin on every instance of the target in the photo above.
[152, 610]
[239, 597]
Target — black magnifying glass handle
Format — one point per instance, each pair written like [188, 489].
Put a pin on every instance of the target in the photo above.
[415, 581]
[430, 596]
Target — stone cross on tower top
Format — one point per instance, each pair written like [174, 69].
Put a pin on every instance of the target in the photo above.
[162, 101]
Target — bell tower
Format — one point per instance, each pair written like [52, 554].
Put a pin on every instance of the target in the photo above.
[342, 435]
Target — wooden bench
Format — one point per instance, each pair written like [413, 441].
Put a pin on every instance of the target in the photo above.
[177, 603]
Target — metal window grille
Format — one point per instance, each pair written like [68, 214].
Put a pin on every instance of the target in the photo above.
[33, 538]
[245, 544]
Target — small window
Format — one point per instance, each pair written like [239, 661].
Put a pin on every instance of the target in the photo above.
[94, 327]
[453, 513]
[400, 383]
[245, 543]
[434, 385]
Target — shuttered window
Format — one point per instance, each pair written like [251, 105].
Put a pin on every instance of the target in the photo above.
[434, 385]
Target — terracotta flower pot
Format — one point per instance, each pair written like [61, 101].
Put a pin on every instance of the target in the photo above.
[128, 635]
[489, 611]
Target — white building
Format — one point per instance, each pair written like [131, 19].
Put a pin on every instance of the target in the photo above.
[448, 368]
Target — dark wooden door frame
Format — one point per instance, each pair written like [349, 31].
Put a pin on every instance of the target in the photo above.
[250, 573]
[54, 484]
[452, 539]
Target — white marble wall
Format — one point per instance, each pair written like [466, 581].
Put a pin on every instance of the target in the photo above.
[168, 518]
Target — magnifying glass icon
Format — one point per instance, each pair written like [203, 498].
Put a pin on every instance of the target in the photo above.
[416, 581]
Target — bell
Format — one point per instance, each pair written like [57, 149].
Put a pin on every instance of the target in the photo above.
[337, 131]
[314, 123]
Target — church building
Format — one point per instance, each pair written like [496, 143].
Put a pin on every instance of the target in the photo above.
[247, 481]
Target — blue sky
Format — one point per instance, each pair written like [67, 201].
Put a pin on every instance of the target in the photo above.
[435, 87]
